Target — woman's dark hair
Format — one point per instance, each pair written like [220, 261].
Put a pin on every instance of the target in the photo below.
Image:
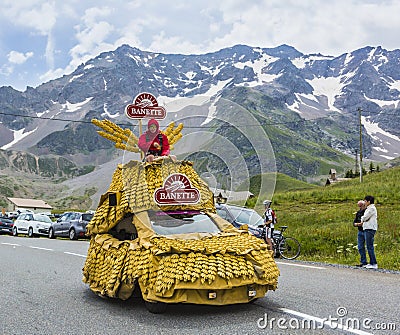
[369, 198]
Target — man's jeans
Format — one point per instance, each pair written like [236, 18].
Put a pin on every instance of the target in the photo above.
[361, 247]
[369, 235]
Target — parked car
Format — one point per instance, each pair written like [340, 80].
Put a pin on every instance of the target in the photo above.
[31, 224]
[239, 216]
[50, 215]
[12, 215]
[6, 225]
[70, 224]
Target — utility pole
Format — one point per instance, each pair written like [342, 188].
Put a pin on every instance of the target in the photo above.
[361, 154]
[356, 167]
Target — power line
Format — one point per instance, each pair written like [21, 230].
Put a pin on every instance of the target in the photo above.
[197, 127]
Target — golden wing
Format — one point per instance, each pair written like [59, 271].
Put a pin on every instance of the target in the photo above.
[124, 138]
[173, 134]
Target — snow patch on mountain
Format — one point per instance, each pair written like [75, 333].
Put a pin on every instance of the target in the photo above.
[395, 85]
[302, 62]
[309, 106]
[384, 103]
[89, 66]
[325, 92]
[329, 87]
[107, 113]
[70, 108]
[75, 77]
[258, 65]
[18, 136]
[384, 141]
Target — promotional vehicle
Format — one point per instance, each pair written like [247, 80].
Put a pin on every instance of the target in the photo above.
[156, 232]
[31, 224]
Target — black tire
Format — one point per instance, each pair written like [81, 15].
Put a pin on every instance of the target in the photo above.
[276, 242]
[72, 234]
[51, 233]
[289, 248]
[15, 231]
[30, 232]
[155, 307]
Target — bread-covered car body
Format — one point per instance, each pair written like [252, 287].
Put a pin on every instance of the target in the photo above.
[156, 229]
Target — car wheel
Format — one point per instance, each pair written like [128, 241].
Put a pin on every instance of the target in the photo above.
[51, 233]
[15, 231]
[155, 307]
[30, 232]
[72, 234]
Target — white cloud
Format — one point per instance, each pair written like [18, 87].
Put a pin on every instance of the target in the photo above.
[16, 57]
[39, 15]
[64, 34]
[163, 43]
[91, 35]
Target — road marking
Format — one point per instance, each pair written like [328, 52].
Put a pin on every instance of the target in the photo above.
[302, 266]
[13, 244]
[73, 254]
[331, 324]
[41, 248]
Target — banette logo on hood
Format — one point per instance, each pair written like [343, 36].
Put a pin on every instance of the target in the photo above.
[177, 190]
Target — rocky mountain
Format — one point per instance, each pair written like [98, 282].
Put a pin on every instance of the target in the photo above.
[306, 106]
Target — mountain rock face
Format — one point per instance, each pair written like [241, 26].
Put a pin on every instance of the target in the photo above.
[308, 105]
[43, 166]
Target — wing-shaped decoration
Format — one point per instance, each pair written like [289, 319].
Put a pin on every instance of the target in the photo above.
[124, 138]
[173, 134]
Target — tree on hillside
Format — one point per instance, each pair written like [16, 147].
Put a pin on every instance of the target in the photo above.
[371, 167]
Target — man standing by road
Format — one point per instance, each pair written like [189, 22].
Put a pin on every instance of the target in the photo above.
[369, 222]
[360, 236]
[269, 220]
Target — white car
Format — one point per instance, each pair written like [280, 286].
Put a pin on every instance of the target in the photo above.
[32, 224]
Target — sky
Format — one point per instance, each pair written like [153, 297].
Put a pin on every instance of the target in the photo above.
[41, 40]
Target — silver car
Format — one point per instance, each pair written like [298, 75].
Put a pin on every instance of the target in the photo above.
[32, 224]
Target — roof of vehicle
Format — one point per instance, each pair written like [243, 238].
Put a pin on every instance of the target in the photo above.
[135, 183]
[229, 205]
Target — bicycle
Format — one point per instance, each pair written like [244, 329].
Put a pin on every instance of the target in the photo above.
[285, 246]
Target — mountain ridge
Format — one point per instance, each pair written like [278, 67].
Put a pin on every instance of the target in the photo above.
[307, 104]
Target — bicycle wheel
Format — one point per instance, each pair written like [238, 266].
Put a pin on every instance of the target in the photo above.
[289, 248]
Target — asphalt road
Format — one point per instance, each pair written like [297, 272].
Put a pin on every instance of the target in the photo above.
[42, 292]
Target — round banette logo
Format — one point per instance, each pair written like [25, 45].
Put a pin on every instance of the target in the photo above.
[145, 105]
[177, 190]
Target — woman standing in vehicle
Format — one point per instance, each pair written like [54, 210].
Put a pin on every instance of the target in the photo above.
[153, 143]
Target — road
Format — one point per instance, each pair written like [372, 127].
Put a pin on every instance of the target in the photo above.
[42, 293]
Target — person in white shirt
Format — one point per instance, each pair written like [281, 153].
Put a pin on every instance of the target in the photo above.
[369, 222]
[269, 221]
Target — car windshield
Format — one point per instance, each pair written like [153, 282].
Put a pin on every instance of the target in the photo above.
[182, 222]
[41, 218]
[246, 216]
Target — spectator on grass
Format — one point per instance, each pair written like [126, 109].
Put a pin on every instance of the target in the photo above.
[369, 222]
[360, 237]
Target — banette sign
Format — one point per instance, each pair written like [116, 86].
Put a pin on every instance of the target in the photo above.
[177, 190]
[145, 105]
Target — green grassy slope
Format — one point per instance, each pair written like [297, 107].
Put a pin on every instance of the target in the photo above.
[321, 218]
